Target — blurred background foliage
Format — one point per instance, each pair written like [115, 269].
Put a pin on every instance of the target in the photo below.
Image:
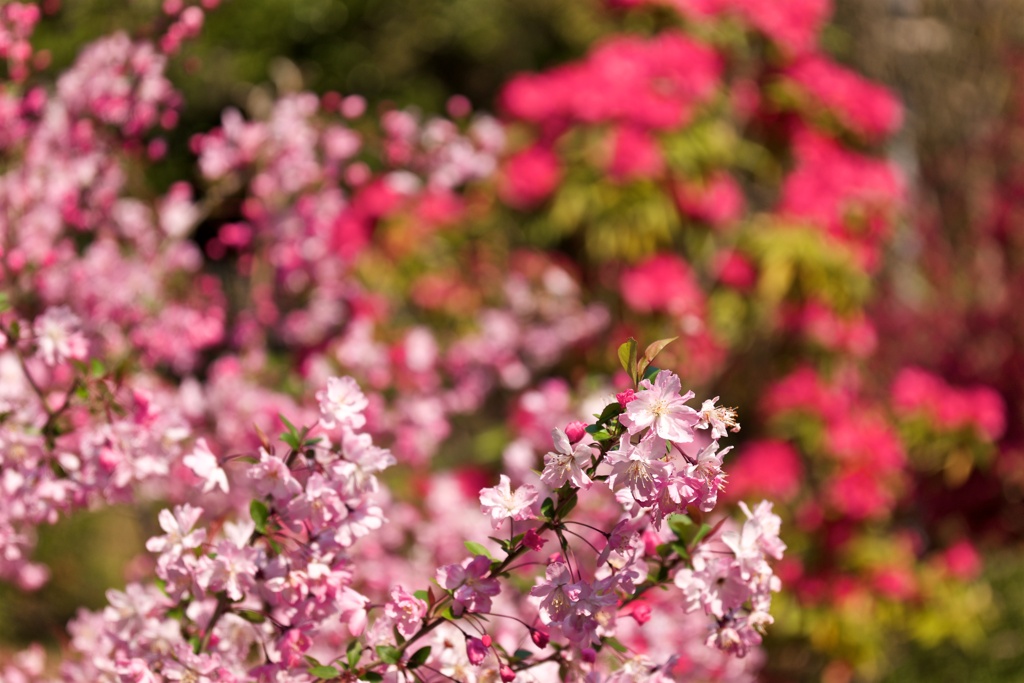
[952, 62]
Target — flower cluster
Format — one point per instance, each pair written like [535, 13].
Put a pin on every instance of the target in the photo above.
[278, 596]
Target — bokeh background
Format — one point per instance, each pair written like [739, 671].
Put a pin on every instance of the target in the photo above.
[943, 294]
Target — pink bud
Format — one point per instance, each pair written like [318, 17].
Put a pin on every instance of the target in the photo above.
[540, 638]
[458, 106]
[533, 541]
[507, 674]
[625, 397]
[476, 650]
[589, 655]
[651, 543]
[962, 560]
[486, 640]
[641, 612]
[575, 430]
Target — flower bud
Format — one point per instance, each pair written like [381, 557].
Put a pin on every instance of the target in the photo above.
[651, 543]
[641, 612]
[540, 638]
[625, 397]
[507, 674]
[589, 655]
[533, 540]
[476, 650]
[575, 430]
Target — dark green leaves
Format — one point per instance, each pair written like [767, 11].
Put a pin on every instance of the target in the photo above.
[260, 513]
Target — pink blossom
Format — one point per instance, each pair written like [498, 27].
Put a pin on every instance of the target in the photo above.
[660, 407]
[662, 284]
[470, 589]
[557, 592]
[566, 463]
[406, 610]
[342, 403]
[530, 177]
[58, 336]
[204, 463]
[180, 535]
[771, 468]
[501, 503]
[640, 468]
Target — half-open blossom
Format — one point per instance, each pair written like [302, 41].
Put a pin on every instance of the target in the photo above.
[203, 462]
[501, 503]
[566, 463]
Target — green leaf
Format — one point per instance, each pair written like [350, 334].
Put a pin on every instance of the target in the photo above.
[615, 645]
[687, 530]
[610, 411]
[650, 354]
[286, 423]
[325, 672]
[477, 549]
[389, 654]
[14, 332]
[421, 594]
[627, 356]
[372, 676]
[656, 347]
[679, 524]
[704, 530]
[570, 503]
[547, 508]
[419, 658]
[651, 372]
[353, 653]
[260, 514]
[600, 435]
[522, 654]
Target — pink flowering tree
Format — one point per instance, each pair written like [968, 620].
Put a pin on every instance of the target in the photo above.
[143, 364]
[426, 306]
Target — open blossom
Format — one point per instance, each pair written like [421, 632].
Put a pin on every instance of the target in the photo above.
[501, 503]
[566, 463]
[660, 407]
[557, 592]
[471, 590]
[719, 419]
[406, 611]
[640, 468]
[58, 336]
[180, 535]
[271, 475]
[343, 402]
